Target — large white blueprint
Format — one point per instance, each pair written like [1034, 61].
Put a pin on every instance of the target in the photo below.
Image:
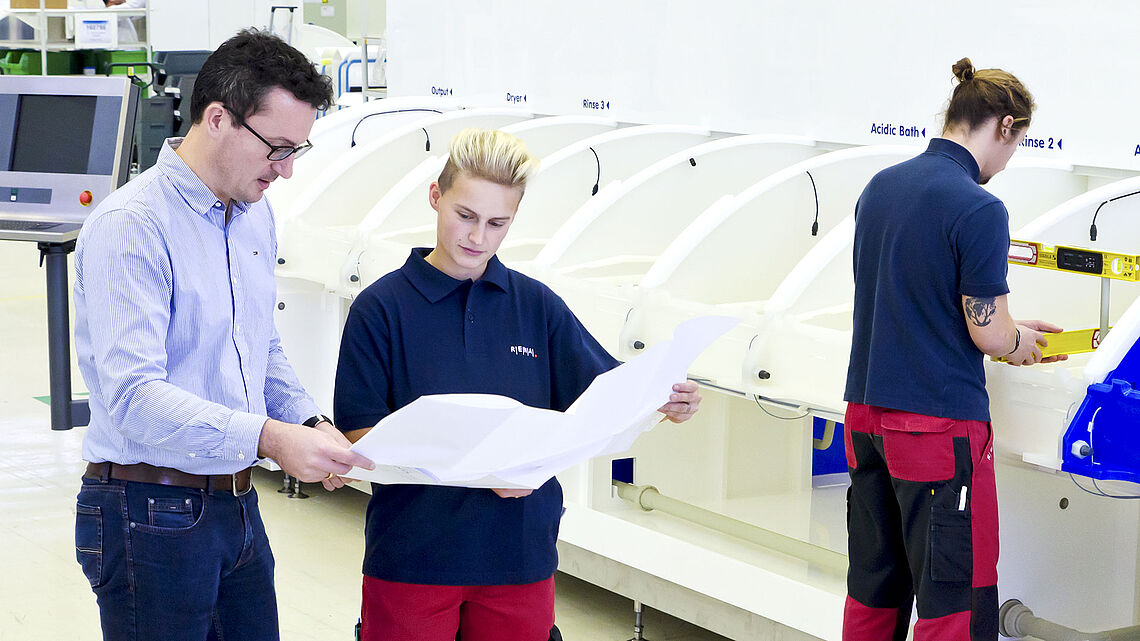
[484, 440]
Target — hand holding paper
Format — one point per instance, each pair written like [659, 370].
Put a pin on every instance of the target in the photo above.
[489, 441]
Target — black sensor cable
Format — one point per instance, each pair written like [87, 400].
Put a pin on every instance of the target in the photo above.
[352, 139]
[598, 180]
[815, 224]
[1092, 228]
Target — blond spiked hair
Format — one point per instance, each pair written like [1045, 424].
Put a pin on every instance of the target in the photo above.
[491, 155]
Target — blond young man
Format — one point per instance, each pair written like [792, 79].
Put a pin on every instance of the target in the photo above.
[446, 560]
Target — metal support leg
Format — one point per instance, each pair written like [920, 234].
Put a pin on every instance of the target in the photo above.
[65, 412]
[1105, 284]
[298, 492]
[287, 485]
[638, 627]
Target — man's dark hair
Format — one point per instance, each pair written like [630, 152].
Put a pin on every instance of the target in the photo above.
[250, 65]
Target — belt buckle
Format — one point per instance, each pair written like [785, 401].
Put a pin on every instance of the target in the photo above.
[234, 482]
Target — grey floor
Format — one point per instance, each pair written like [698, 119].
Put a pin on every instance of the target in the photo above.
[318, 541]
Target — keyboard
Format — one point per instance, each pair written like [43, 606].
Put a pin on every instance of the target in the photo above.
[39, 231]
[26, 225]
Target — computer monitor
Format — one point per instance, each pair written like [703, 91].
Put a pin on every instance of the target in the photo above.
[65, 144]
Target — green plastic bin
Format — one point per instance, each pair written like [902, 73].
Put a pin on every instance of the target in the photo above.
[104, 58]
[22, 62]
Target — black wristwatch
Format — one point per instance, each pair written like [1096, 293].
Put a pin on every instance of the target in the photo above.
[319, 418]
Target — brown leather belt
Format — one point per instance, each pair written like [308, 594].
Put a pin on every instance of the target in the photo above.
[238, 484]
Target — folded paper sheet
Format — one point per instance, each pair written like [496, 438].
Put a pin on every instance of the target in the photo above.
[484, 440]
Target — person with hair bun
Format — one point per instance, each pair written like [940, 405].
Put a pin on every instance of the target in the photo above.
[930, 302]
[445, 560]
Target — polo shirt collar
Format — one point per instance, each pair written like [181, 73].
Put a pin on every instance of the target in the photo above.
[195, 192]
[958, 154]
[496, 273]
[436, 285]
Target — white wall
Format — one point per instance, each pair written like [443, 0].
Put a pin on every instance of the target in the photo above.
[825, 69]
[189, 25]
[366, 16]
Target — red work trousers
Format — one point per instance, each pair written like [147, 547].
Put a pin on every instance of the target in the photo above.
[922, 525]
[412, 612]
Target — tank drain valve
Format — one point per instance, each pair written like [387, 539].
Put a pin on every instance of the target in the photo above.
[1081, 449]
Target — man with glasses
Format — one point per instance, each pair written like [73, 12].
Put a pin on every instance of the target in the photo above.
[276, 152]
[174, 299]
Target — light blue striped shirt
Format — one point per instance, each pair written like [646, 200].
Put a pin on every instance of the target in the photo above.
[174, 325]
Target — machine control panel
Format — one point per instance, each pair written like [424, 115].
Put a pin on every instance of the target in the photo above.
[26, 195]
[65, 144]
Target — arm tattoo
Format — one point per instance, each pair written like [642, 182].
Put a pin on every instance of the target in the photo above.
[980, 311]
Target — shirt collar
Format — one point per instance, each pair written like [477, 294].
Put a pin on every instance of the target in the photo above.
[436, 285]
[195, 192]
[958, 154]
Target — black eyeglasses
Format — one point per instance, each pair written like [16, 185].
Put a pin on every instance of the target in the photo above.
[276, 152]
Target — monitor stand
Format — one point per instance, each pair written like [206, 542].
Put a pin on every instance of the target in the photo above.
[55, 241]
[66, 412]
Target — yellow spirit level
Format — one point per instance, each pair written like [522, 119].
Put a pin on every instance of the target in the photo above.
[1077, 341]
[1077, 260]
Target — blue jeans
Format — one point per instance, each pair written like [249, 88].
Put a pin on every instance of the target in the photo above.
[175, 563]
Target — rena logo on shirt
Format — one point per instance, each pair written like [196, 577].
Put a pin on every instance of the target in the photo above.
[523, 350]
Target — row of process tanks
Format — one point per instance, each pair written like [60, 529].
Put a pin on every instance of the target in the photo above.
[639, 227]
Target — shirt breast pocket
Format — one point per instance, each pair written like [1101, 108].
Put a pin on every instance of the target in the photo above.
[259, 291]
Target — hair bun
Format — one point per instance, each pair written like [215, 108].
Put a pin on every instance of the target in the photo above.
[963, 70]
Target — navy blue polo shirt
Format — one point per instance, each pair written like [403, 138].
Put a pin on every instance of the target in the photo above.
[418, 331]
[926, 234]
